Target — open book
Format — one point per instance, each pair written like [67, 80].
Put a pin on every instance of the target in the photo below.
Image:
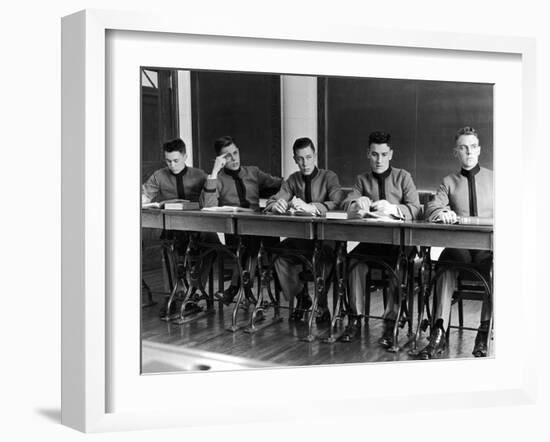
[374, 216]
[227, 209]
[174, 204]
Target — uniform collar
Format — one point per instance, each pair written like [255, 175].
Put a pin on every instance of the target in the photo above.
[182, 172]
[472, 172]
[311, 175]
[382, 175]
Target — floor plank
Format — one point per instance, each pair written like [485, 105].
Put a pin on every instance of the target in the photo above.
[280, 344]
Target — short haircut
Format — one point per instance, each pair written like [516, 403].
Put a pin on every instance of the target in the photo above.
[379, 138]
[222, 142]
[467, 130]
[302, 143]
[174, 145]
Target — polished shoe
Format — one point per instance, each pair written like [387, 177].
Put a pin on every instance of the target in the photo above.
[387, 340]
[260, 316]
[436, 346]
[322, 315]
[480, 345]
[352, 331]
[304, 302]
[228, 294]
[193, 307]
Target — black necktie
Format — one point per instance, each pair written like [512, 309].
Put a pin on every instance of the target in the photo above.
[307, 180]
[179, 183]
[472, 197]
[239, 184]
[381, 178]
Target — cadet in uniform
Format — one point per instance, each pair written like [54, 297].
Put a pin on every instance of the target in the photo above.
[468, 192]
[314, 191]
[387, 191]
[231, 184]
[178, 181]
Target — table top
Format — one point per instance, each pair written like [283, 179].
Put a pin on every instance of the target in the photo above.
[315, 227]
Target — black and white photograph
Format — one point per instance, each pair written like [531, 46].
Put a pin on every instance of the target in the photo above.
[304, 220]
[243, 221]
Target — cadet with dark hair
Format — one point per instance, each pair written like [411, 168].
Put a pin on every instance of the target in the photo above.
[313, 191]
[178, 181]
[230, 184]
[386, 191]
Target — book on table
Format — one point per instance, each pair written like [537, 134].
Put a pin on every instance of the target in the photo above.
[369, 215]
[227, 209]
[336, 214]
[172, 204]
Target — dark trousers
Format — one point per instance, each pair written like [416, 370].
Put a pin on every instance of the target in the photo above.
[447, 282]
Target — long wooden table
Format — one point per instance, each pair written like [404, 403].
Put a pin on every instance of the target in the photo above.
[403, 234]
[408, 233]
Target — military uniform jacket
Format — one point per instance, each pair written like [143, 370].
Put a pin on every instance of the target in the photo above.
[453, 194]
[162, 184]
[399, 189]
[326, 193]
[222, 191]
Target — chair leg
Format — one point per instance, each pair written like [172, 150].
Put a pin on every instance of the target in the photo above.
[367, 296]
[460, 312]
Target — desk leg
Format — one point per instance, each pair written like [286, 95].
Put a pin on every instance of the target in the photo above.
[423, 298]
[319, 286]
[341, 276]
[244, 284]
[400, 308]
[259, 310]
[175, 282]
[193, 260]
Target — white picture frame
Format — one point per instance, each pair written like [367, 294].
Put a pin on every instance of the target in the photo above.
[88, 217]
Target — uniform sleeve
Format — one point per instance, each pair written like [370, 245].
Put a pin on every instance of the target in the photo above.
[335, 195]
[285, 193]
[355, 194]
[210, 193]
[150, 189]
[438, 204]
[410, 206]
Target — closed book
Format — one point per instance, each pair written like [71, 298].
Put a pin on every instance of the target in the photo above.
[336, 214]
[181, 205]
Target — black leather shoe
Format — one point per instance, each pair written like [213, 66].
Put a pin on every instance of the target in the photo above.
[322, 315]
[436, 346]
[228, 294]
[352, 330]
[480, 346]
[192, 308]
[387, 336]
[304, 302]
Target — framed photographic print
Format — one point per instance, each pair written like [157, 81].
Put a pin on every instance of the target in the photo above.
[151, 329]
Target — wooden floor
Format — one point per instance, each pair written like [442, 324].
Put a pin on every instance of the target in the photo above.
[280, 343]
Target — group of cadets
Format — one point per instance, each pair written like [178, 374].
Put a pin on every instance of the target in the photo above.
[384, 189]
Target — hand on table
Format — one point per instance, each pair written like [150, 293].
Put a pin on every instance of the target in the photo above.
[448, 217]
[300, 205]
[384, 207]
[279, 206]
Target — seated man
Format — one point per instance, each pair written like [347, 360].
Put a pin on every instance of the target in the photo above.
[389, 191]
[177, 180]
[231, 184]
[310, 190]
[468, 192]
